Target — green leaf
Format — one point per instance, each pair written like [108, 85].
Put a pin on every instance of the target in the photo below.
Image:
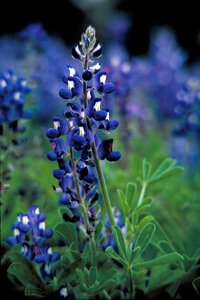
[119, 238]
[92, 275]
[123, 205]
[111, 252]
[146, 169]
[135, 253]
[196, 285]
[196, 254]
[165, 169]
[67, 233]
[109, 274]
[160, 235]
[165, 259]
[146, 204]
[131, 200]
[109, 284]
[34, 292]
[165, 247]
[134, 218]
[98, 230]
[26, 275]
[145, 236]
[144, 221]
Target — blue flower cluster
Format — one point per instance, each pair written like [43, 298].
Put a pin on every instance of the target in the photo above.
[86, 120]
[13, 90]
[30, 233]
[188, 109]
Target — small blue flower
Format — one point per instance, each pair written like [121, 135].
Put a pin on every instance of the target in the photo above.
[30, 232]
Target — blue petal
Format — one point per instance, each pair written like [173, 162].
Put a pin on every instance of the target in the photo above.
[108, 88]
[65, 198]
[59, 174]
[52, 155]
[112, 125]
[79, 140]
[105, 148]
[40, 258]
[114, 156]
[52, 133]
[65, 93]
[55, 257]
[47, 233]
[11, 240]
[100, 115]
[64, 165]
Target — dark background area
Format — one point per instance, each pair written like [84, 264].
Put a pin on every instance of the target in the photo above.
[68, 20]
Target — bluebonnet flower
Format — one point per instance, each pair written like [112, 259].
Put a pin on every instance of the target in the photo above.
[86, 121]
[13, 91]
[30, 232]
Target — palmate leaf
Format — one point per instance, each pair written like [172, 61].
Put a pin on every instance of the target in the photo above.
[166, 169]
[112, 253]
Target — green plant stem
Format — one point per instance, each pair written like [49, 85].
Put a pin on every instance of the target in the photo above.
[78, 190]
[103, 184]
[92, 250]
[142, 193]
[84, 210]
[105, 294]
[130, 284]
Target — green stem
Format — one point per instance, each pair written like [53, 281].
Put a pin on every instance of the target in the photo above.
[85, 216]
[103, 184]
[105, 294]
[130, 285]
[84, 210]
[142, 193]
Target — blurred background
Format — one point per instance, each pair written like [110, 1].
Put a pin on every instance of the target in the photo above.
[68, 18]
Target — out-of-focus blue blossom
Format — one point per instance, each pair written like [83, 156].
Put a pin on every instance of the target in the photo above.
[187, 128]
[13, 92]
[30, 232]
[188, 109]
[167, 73]
[40, 56]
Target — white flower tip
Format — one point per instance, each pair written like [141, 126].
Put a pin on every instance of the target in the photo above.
[63, 292]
